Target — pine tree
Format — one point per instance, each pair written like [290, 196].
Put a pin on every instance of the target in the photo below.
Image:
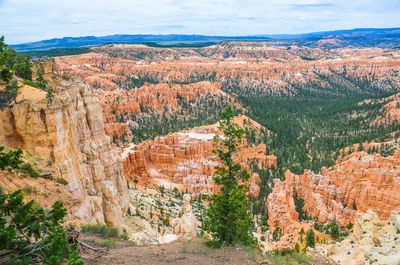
[310, 238]
[30, 234]
[228, 217]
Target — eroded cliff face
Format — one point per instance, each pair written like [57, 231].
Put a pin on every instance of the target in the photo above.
[374, 241]
[185, 160]
[137, 83]
[69, 131]
[357, 183]
[255, 68]
[125, 108]
[390, 111]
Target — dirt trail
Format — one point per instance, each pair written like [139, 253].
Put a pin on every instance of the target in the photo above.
[177, 253]
[187, 253]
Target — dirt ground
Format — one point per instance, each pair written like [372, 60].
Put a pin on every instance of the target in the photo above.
[183, 253]
[177, 253]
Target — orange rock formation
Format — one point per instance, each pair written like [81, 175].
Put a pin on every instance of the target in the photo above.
[185, 160]
[69, 131]
[391, 110]
[357, 183]
[116, 73]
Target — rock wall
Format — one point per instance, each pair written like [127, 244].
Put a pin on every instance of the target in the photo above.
[259, 67]
[70, 132]
[374, 241]
[390, 111]
[357, 183]
[185, 160]
[136, 83]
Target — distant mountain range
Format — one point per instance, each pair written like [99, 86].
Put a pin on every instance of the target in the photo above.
[365, 37]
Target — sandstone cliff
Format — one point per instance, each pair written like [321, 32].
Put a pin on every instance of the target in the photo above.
[69, 132]
[252, 67]
[390, 111]
[374, 241]
[136, 83]
[357, 183]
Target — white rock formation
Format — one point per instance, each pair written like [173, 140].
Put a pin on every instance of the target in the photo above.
[186, 226]
[373, 241]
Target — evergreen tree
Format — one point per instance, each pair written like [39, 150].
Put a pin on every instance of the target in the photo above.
[13, 62]
[310, 238]
[30, 234]
[334, 230]
[228, 218]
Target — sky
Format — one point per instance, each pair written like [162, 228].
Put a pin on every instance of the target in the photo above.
[33, 20]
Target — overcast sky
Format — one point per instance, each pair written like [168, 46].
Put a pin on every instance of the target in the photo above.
[33, 20]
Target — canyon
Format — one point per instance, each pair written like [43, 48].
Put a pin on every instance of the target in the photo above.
[131, 128]
[185, 161]
[134, 81]
[374, 241]
[358, 183]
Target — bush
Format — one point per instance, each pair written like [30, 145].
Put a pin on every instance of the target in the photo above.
[30, 234]
[10, 159]
[9, 94]
[6, 74]
[61, 181]
[99, 229]
[50, 94]
[30, 83]
[13, 62]
[28, 169]
[109, 243]
[310, 238]
[288, 256]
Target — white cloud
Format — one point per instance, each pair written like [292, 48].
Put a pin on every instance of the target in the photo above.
[27, 20]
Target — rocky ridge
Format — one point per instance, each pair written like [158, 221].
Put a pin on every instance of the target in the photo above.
[390, 111]
[130, 80]
[184, 160]
[357, 183]
[374, 241]
[69, 132]
[251, 67]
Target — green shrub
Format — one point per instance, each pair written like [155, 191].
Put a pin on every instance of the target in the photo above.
[6, 74]
[28, 169]
[100, 229]
[31, 233]
[30, 83]
[10, 159]
[252, 253]
[288, 256]
[310, 238]
[50, 94]
[61, 181]
[109, 243]
[74, 259]
[27, 190]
